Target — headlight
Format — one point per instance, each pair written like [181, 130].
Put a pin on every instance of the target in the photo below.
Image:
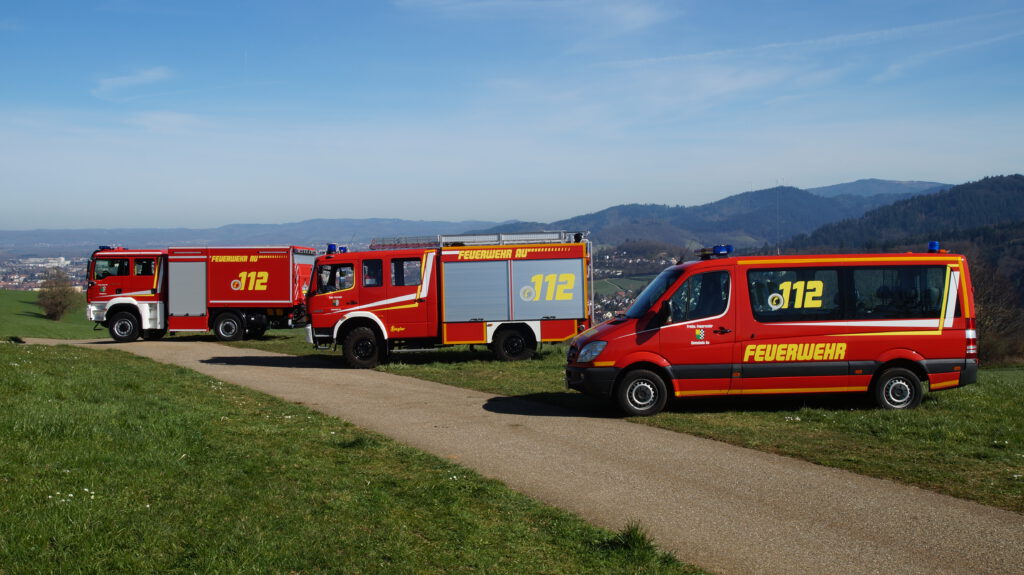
[590, 351]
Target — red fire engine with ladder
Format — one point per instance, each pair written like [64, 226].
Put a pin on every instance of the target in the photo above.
[235, 291]
[508, 291]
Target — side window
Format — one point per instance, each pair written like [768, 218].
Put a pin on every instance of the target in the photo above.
[373, 273]
[144, 267]
[110, 267]
[405, 272]
[700, 296]
[899, 292]
[334, 277]
[798, 294]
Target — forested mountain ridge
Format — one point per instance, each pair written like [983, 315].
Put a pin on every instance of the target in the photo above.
[987, 202]
[750, 219]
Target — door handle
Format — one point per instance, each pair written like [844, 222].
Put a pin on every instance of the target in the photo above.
[722, 331]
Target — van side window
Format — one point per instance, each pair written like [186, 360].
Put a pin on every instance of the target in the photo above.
[700, 296]
[819, 294]
[798, 294]
[899, 292]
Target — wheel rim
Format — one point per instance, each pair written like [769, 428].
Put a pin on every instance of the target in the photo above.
[898, 392]
[122, 328]
[364, 349]
[515, 345]
[228, 328]
[641, 394]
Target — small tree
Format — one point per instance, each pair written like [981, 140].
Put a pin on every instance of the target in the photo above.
[57, 296]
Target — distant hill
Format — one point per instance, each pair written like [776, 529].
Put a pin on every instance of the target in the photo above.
[874, 187]
[750, 219]
[747, 220]
[987, 202]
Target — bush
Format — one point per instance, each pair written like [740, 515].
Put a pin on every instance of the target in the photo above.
[57, 296]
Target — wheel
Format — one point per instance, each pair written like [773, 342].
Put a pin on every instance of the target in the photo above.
[228, 327]
[898, 388]
[512, 345]
[641, 392]
[361, 348]
[124, 327]
[153, 334]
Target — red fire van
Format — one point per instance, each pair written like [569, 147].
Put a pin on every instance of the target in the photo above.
[892, 325]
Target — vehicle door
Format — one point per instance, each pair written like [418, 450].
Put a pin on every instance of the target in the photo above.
[411, 310]
[109, 277]
[697, 335]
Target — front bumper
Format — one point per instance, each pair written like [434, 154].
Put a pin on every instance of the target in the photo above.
[592, 380]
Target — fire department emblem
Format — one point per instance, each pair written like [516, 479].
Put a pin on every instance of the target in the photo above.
[698, 335]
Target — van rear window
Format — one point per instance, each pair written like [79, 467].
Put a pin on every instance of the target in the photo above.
[836, 293]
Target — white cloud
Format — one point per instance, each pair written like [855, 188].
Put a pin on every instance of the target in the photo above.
[119, 87]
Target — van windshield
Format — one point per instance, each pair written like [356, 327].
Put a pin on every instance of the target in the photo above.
[653, 291]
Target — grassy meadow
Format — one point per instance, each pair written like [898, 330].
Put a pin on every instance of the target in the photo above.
[113, 463]
[966, 442]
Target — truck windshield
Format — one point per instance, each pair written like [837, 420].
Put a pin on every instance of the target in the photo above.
[653, 291]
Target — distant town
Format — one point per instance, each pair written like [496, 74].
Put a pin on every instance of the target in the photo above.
[28, 273]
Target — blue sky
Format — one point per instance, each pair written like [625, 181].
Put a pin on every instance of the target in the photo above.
[131, 113]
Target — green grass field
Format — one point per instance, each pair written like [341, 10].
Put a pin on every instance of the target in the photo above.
[115, 464]
[967, 442]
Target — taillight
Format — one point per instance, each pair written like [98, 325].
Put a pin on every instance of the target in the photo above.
[972, 340]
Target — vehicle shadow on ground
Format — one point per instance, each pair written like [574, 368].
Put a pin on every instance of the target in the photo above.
[287, 361]
[553, 404]
[771, 403]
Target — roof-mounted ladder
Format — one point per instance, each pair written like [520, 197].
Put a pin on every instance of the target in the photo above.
[476, 240]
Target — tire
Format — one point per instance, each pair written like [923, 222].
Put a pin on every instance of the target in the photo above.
[153, 334]
[228, 326]
[361, 348]
[512, 345]
[898, 388]
[124, 327]
[641, 392]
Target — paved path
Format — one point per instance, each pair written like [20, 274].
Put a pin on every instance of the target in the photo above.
[727, 509]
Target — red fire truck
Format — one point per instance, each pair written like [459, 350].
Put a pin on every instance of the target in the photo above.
[891, 325]
[235, 291]
[508, 291]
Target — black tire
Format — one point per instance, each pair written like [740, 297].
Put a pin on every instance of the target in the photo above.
[228, 326]
[153, 334]
[513, 345]
[898, 388]
[361, 348]
[124, 327]
[641, 392]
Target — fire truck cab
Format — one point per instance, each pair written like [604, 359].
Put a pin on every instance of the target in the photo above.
[884, 324]
[508, 291]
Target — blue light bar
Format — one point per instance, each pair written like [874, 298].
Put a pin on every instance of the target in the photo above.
[722, 250]
[933, 247]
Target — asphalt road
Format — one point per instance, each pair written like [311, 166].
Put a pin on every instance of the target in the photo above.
[724, 508]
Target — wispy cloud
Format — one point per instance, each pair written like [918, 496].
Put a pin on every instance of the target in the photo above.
[117, 88]
[607, 16]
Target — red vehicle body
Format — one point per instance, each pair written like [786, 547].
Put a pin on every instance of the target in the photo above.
[883, 324]
[508, 291]
[235, 291]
